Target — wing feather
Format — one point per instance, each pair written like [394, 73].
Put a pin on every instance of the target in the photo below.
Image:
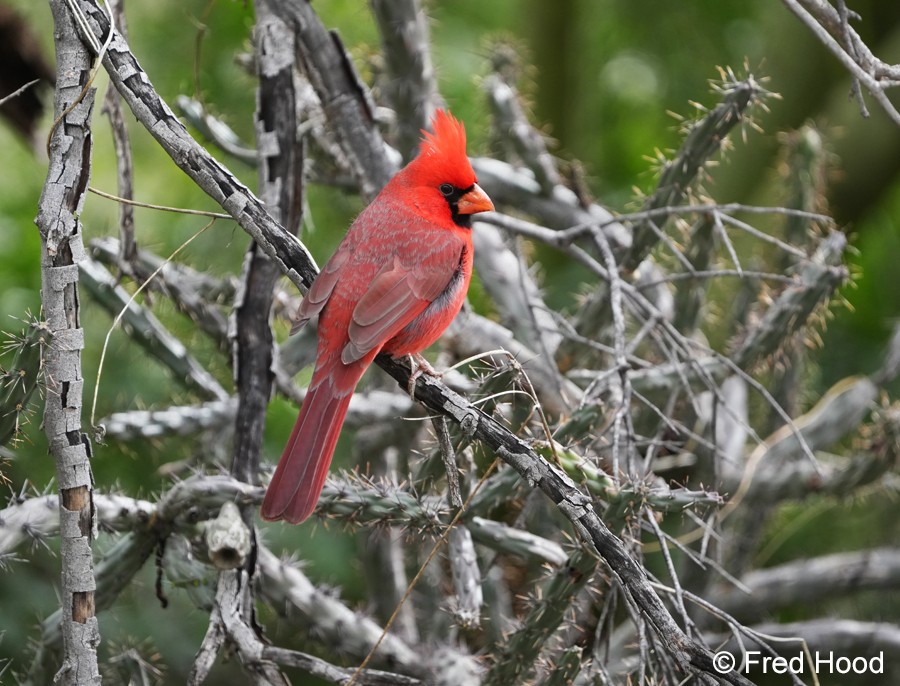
[398, 294]
[322, 288]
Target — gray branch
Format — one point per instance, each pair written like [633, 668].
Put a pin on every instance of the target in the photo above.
[809, 582]
[289, 591]
[187, 420]
[228, 619]
[514, 130]
[112, 107]
[409, 84]
[344, 98]
[834, 32]
[331, 673]
[157, 117]
[149, 332]
[193, 293]
[62, 249]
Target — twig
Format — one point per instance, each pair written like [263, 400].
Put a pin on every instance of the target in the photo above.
[650, 519]
[621, 416]
[449, 459]
[112, 107]
[517, 188]
[332, 673]
[515, 292]
[16, 93]
[689, 295]
[844, 43]
[473, 334]
[162, 208]
[215, 130]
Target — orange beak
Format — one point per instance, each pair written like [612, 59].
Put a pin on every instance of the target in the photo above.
[475, 201]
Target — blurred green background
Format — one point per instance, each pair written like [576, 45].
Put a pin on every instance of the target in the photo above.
[602, 79]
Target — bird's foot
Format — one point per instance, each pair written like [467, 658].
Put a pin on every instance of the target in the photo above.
[419, 366]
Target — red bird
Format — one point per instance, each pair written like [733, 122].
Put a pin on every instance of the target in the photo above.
[393, 286]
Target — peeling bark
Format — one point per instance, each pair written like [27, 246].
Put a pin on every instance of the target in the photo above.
[62, 249]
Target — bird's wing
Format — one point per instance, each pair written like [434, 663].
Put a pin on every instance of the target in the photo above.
[396, 296]
[322, 288]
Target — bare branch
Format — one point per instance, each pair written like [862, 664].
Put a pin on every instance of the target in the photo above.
[156, 116]
[62, 250]
[409, 85]
[112, 107]
[514, 129]
[343, 96]
[809, 582]
[193, 293]
[289, 591]
[336, 675]
[833, 31]
[148, 331]
[281, 189]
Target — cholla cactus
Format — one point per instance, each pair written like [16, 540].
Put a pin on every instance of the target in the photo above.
[18, 381]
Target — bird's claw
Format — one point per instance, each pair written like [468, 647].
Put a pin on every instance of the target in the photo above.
[419, 366]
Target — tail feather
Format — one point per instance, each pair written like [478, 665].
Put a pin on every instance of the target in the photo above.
[295, 488]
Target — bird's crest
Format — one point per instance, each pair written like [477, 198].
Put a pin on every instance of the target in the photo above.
[443, 152]
[448, 139]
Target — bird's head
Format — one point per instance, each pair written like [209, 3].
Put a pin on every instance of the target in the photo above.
[440, 181]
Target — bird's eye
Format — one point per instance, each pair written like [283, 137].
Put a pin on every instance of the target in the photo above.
[446, 189]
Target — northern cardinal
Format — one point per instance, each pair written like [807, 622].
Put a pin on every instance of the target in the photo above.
[393, 286]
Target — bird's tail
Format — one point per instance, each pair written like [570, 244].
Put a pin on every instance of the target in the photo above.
[295, 488]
